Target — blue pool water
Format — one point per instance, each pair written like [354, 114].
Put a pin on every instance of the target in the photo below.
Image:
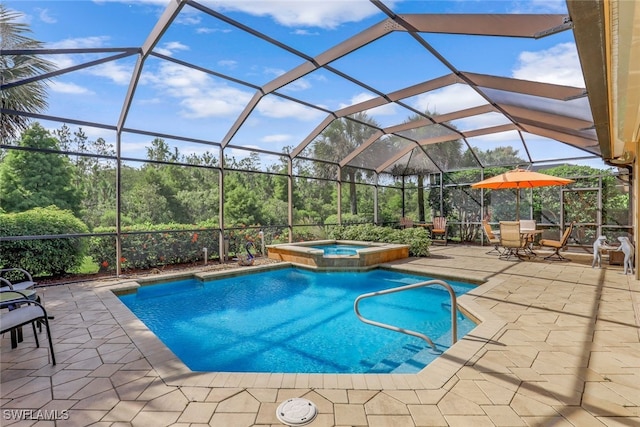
[339, 249]
[295, 320]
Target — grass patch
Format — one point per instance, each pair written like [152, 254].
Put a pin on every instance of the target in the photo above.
[88, 266]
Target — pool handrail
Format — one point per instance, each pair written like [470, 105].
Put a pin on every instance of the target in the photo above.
[454, 310]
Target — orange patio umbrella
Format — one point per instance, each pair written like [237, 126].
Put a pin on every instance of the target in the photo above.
[520, 178]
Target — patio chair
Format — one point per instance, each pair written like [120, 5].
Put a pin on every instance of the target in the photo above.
[527, 225]
[491, 238]
[439, 229]
[511, 239]
[557, 245]
[22, 311]
[7, 279]
[527, 228]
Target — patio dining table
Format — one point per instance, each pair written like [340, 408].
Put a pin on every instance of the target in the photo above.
[530, 235]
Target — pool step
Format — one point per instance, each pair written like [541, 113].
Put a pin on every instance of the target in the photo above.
[408, 358]
[402, 357]
[394, 359]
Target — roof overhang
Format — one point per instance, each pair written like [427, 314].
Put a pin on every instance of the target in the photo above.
[607, 33]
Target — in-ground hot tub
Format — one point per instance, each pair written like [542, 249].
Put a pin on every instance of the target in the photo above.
[338, 253]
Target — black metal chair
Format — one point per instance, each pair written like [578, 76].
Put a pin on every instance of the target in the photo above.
[23, 310]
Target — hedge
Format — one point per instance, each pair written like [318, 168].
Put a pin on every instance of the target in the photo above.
[418, 239]
[148, 246]
[42, 257]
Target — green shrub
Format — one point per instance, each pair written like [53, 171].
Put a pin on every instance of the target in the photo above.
[42, 256]
[143, 246]
[417, 238]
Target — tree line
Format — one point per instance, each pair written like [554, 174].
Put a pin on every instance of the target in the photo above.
[67, 169]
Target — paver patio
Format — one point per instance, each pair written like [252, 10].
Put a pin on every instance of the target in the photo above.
[559, 344]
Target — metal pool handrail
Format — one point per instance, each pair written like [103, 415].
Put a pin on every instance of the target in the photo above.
[454, 310]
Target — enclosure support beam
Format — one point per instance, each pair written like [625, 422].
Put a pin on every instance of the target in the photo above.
[290, 198]
[221, 245]
[118, 203]
[375, 200]
[403, 201]
[339, 184]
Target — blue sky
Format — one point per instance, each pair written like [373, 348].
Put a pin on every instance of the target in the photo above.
[176, 100]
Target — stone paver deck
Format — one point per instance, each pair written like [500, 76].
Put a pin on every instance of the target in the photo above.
[559, 344]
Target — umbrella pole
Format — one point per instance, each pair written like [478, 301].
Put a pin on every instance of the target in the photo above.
[517, 203]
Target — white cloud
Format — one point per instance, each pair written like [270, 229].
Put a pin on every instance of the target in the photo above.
[450, 98]
[356, 99]
[301, 32]
[214, 103]
[196, 92]
[327, 14]
[94, 133]
[206, 30]
[69, 88]
[559, 64]
[133, 148]
[277, 138]
[481, 121]
[279, 109]
[118, 73]
[297, 85]
[383, 110]
[188, 18]
[176, 46]
[65, 61]
[149, 101]
[45, 17]
[240, 154]
[275, 72]
[228, 63]
[62, 61]
[81, 42]
[169, 47]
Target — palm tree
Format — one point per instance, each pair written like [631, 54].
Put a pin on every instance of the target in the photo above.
[339, 139]
[446, 157]
[29, 97]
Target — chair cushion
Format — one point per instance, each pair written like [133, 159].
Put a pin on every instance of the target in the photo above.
[20, 316]
[550, 243]
[21, 286]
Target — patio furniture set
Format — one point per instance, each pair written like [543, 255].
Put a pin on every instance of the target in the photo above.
[518, 238]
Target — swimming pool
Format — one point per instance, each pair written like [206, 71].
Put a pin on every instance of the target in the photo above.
[296, 320]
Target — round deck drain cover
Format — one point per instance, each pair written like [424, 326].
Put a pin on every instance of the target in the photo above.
[296, 412]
